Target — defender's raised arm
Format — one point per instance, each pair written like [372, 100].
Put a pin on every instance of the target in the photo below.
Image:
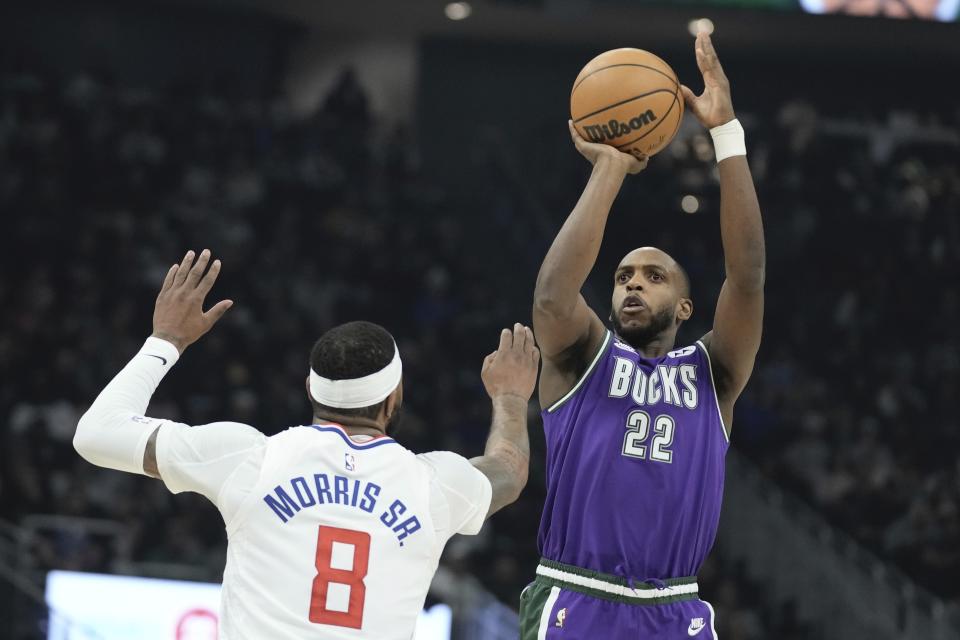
[509, 375]
[114, 432]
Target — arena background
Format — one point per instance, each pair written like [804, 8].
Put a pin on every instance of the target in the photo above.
[378, 160]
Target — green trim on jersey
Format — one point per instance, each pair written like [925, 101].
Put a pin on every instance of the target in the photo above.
[713, 385]
[606, 341]
[617, 581]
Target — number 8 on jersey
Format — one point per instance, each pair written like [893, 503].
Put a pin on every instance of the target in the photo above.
[352, 549]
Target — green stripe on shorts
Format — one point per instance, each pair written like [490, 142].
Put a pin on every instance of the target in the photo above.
[532, 601]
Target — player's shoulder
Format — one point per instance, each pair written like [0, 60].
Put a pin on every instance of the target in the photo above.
[445, 464]
[441, 459]
[235, 432]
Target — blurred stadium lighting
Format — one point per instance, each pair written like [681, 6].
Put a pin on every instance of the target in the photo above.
[458, 10]
[700, 24]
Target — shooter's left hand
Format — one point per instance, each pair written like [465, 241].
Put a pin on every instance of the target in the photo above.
[714, 106]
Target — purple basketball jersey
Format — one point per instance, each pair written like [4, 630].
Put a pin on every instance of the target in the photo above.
[635, 463]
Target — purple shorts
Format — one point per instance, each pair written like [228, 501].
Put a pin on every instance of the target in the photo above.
[569, 603]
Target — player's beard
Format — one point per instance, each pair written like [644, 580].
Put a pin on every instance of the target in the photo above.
[639, 337]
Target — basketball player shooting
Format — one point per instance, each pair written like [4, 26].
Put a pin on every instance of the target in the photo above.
[636, 428]
[334, 529]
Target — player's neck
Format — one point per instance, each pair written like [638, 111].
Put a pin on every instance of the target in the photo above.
[354, 426]
[651, 352]
[655, 348]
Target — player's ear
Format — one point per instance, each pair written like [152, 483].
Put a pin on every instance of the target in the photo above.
[684, 309]
[307, 385]
[392, 404]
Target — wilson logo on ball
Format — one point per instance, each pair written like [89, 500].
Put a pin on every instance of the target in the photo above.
[615, 128]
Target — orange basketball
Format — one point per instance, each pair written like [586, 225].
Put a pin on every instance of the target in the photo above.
[629, 99]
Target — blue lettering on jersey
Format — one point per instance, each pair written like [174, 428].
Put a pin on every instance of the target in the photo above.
[391, 516]
[283, 505]
[303, 492]
[323, 488]
[347, 492]
[340, 491]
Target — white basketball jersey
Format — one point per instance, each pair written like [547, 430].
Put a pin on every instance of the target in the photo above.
[340, 539]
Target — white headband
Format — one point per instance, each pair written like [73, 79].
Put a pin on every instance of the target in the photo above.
[357, 392]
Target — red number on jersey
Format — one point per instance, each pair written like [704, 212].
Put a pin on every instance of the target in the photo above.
[353, 578]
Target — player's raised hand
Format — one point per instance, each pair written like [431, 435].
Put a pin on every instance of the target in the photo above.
[512, 368]
[178, 316]
[714, 106]
[593, 151]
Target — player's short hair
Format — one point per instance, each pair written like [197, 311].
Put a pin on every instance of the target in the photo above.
[347, 351]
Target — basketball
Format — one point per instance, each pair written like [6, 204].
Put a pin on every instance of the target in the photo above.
[629, 99]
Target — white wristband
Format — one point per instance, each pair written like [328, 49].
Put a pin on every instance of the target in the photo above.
[728, 140]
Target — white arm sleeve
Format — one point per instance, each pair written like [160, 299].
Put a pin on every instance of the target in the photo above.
[463, 489]
[113, 433]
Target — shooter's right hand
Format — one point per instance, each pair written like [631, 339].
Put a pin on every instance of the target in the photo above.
[511, 370]
[596, 151]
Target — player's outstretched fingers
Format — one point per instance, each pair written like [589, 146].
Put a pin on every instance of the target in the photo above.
[193, 278]
[506, 340]
[688, 96]
[206, 283]
[168, 279]
[707, 58]
[708, 49]
[183, 269]
[529, 343]
[216, 312]
[519, 337]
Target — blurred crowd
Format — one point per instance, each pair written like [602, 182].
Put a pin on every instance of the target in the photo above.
[330, 218]
[851, 401]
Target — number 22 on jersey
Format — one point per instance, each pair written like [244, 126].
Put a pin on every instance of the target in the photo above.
[340, 578]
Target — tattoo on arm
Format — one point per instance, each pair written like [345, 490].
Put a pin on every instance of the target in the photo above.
[506, 458]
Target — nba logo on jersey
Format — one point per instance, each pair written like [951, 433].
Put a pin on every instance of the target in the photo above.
[350, 461]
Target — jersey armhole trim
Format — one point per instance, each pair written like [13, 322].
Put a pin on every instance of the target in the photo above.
[716, 398]
[586, 374]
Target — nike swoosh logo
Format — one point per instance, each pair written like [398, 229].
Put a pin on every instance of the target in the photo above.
[163, 360]
[692, 632]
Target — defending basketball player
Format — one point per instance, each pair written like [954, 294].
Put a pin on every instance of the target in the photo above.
[636, 428]
[335, 530]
